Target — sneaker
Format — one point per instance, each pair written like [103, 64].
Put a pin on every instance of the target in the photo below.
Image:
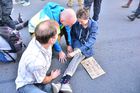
[65, 79]
[19, 26]
[138, 16]
[20, 20]
[25, 24]
[132, 17]
[56, 87]
[26, 4]
[66, 88]
[20, 2]
[125, 6]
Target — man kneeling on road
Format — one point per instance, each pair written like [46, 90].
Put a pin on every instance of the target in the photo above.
[36, 60]
[65, 18]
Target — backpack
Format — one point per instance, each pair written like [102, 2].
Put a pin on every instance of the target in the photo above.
[12, 37]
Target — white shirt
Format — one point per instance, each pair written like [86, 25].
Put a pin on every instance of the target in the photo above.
[34, 64]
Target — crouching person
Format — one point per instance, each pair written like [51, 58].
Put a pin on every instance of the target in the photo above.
[36, 61]
[83, 35]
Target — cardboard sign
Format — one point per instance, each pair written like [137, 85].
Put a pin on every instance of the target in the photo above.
[92, 67]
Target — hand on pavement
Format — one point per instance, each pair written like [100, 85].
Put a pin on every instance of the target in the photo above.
[62, 57]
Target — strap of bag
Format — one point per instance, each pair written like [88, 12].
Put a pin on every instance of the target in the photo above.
[13, 50]
[9, 55]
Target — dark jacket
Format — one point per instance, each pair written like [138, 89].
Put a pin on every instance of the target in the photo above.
[84, 38]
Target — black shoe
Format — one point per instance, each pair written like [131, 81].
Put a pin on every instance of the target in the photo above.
[65, 79]
[132, 17]
[125, 6]
[60, 92]
[22, 25]
[19, 26]
[138, 16]
[25, 24]
[20, 20]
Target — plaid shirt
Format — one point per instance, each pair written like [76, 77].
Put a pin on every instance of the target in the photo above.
[34, 64]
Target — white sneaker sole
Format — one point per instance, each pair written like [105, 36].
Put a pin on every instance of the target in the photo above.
[55, 88]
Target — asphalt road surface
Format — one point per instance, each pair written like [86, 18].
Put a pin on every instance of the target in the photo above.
[117, 51]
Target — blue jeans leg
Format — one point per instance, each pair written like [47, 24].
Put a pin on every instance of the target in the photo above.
[138, 10]
[35, 89]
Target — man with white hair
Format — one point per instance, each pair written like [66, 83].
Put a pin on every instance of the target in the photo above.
[65, 17]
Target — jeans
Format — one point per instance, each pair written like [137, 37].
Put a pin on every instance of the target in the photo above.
[96, 7]
[74, 64]
[36, 88]
[138, 10]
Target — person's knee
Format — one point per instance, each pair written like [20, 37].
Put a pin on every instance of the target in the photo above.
[48, 88]
[78, 55]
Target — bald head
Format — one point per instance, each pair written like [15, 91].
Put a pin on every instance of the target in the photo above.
[68, 17]
[46, 30]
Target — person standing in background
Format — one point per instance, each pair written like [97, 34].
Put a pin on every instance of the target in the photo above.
[96, 7]
[132, 17]
[70, 3]
[127, 5]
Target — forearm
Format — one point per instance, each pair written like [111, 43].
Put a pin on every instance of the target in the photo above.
[57, 47]
[47, 79]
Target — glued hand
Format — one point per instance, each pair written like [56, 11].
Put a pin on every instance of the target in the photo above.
[62, 57]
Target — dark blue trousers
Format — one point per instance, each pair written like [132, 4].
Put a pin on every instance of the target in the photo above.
[138, 10]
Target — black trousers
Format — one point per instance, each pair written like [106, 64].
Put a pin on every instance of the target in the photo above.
[6, 7]
[96, 7]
